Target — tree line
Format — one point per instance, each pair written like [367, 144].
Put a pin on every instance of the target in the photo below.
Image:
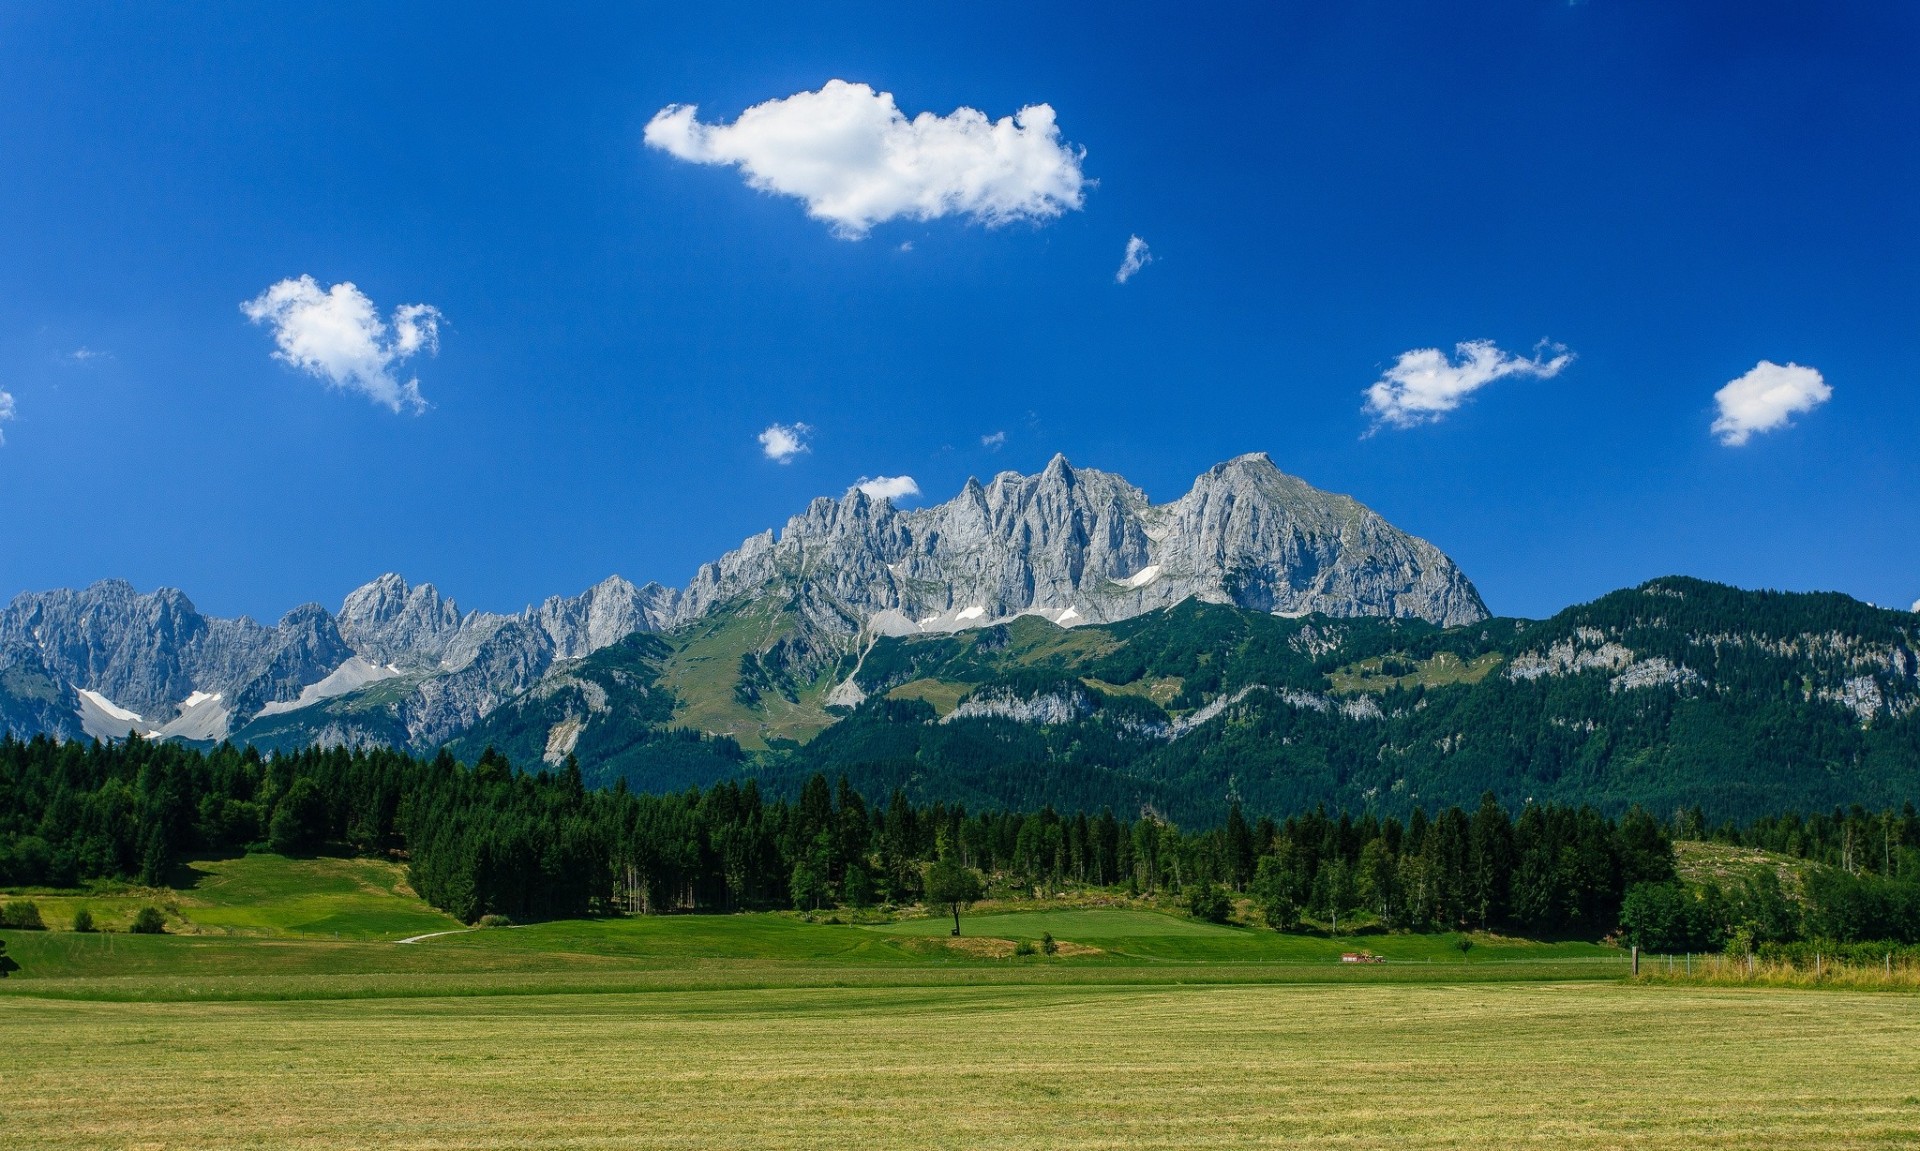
[1865, 887]
[486, 839]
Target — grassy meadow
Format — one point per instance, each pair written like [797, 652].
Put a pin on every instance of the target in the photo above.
[1075, 1066]
[282, 1010]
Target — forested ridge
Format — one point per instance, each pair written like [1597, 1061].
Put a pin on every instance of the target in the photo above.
[1676, 693]
[487, 839]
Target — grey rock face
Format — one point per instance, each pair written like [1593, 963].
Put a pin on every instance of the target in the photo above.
[1081, 545]
[149, 653]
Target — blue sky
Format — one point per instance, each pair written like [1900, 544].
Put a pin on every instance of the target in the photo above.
[1672, 194]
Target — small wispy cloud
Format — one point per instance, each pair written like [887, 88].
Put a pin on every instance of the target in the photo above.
[85, 355]
[888, 487]
[1137, 257]
[337, 336]
[1424, 384]
[855, 159]
[782, 442]
[6, 412]
[994, 441]
[1766, 398]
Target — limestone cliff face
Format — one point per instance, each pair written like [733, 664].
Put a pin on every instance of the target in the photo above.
[1074, 544]
[1080, 545]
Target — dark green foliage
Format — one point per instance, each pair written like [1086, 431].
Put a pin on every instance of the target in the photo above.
[950, 882]
[7, 965]
[299, 823]
[1207, 901]
[21, 915]
[83, 921]
[1672, 917]
[1277, 891]
[148, 921]
[1047, 944]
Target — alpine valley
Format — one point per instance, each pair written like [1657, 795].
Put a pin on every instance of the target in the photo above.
[1054, 638]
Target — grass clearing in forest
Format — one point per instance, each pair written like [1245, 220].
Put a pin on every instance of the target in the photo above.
[1077, 1066]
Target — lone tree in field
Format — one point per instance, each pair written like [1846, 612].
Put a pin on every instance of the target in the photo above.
[953, 885]
[1465, 944]
[7, 966]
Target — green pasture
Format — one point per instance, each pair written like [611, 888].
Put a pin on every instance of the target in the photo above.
[262, 895]
[265, 927]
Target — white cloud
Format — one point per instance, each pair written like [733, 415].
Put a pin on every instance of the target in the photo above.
[1423, 385]
[1136, 258]
[994, 442]
[857, 161]
[337, 336]
[888, 487]
[782, 442]
[6, 411]
[1766, 398]
[82, 355]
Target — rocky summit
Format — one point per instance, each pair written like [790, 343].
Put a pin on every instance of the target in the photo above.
[404, 664]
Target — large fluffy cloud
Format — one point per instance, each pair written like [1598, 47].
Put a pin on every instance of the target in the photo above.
[338, 336]
[6, 411]
[1766, 398]
[782, 442]
[857, 161]
[1425, 384]
[888, 487]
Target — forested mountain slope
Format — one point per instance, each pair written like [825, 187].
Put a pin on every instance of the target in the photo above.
[1676, 693]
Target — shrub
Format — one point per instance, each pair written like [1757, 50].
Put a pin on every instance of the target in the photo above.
[491, 920]
[7, 965]
[1025, 947]
[1047, 944]
[22, 916]
[83, 920]
[149, 921]
[1208, 902]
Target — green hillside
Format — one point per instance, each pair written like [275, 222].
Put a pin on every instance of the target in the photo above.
[1677, 693]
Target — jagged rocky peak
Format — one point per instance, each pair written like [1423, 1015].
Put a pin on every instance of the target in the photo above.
[1082, 545]
[604, 614]
[390, 623]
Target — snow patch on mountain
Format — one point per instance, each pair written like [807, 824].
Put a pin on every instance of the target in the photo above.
[352, 675]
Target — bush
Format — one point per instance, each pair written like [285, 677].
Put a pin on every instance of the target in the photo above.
[1208, 902]
[1047, 944]
[83, 920]
[495, 921]
[7, 965]
[149, 921]
[1025, 947]
[22, 916]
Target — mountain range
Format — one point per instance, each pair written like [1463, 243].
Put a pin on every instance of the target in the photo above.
[404, 665]
[1058, 631]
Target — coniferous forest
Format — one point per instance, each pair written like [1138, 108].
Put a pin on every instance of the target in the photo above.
[486, 839]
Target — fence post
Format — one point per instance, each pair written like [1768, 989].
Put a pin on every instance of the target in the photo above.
[1636, 959]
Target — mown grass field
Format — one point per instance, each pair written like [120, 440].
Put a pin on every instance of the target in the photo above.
[253, 1025]
[1365, 1066]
